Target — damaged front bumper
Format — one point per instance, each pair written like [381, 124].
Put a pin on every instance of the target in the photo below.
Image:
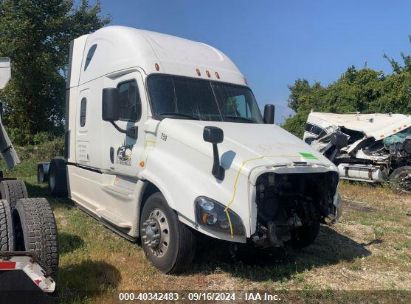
[291, 205]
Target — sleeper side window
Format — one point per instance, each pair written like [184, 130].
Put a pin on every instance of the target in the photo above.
[129, 102]
[83, 112]
[90, 55]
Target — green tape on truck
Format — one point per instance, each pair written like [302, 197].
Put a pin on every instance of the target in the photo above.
[307, 155]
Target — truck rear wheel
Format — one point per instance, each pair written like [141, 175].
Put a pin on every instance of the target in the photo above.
[6, 227]
[43, 172]
[400, 179]
[58, 177]
[12, 191]
[38, 231]
[167, 243]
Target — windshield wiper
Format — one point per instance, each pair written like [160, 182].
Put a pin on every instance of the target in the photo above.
[239, 118]
[179, 115]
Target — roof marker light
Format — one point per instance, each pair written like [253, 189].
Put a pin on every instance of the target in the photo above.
[208, 74]
[157, 67]
[198, 72]
[217, 75]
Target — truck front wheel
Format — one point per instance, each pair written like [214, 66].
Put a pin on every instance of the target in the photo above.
[400, 179]
[167, 243]
[304, 236]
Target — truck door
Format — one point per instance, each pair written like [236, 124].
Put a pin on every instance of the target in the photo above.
[123, 152]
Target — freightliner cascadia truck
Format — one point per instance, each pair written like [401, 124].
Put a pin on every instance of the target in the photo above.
[165, 141]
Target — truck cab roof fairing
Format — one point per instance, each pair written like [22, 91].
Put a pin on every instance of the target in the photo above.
[376, 125]
[145, 49]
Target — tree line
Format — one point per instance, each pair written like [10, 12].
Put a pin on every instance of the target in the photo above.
[36, 35]
[357, 90]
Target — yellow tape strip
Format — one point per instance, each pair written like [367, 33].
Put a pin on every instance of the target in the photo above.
[235, 192]
[149, 142]
[146, 144]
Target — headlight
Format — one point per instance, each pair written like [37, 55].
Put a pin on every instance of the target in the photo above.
[214, 216]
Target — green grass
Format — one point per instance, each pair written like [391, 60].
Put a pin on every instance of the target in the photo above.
[369, 249]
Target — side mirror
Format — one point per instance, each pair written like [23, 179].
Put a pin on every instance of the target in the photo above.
[269, 113]
[215, 136]
[111, 98]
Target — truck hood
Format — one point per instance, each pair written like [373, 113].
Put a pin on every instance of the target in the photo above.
[246, 146]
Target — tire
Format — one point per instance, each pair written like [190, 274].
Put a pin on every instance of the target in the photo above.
[43, 172]
[58, 177]
[175, 256]
[400, 179]
[305, 235]
[6, 227]
[38, 232]
[12, 191]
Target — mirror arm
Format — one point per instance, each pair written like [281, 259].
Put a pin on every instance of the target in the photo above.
[218, 171]
[131, 132]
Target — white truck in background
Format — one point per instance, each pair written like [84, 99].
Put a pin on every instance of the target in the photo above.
[28, 233]
[164, 139]
[373, 148]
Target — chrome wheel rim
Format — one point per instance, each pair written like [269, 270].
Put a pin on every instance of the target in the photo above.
[156, 233]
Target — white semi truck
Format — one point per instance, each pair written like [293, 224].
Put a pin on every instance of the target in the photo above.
[28, 233]
[164, 140]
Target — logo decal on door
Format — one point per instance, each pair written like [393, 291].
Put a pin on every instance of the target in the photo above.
[124, 155]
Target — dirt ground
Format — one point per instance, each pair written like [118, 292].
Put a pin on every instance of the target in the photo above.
[368, 250]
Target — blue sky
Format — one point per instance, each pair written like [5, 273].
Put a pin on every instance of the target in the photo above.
[276, 42]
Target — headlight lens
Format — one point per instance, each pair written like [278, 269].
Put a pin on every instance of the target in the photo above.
[214, 216]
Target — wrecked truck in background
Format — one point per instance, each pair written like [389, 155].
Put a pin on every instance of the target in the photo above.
[365, 147]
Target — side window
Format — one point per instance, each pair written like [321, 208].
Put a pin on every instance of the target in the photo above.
[308, 127]
[83, 112]
[130, 103]
[314, 129]
[90, 55]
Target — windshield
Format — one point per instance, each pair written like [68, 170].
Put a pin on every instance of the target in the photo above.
[188, 98]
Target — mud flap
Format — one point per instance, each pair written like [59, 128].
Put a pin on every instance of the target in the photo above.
[16, 287]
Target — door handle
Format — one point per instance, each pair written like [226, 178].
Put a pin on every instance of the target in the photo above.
[112, 155]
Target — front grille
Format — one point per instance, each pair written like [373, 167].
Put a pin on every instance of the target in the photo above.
[280, 196]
